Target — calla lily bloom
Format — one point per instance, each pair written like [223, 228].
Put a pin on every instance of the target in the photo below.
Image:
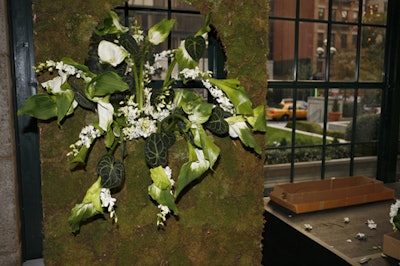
[159, 32]
[111, 53]
[106, 112]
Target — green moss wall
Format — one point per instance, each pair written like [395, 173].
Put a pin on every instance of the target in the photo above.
[221, 218]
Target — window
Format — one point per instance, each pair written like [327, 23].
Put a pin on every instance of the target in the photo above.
[188, 21]
[344, 75]
[343, 40]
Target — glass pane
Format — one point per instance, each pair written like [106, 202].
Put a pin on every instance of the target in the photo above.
[281, 56]
[149, 3]
[312, 46]
[183, 5]
[345, 10]
[317, 10]
[370, 101]
[375, 12]
[283, 8]
[372, 54]
[343, 53]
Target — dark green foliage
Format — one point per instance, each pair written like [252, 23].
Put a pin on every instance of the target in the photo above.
[156, 151]
[313, 127]
[168, 137]
[306, 126]
[280, 156]
[216, 123]
[112, 173]
[367, 128]
[81, 99]
[195, 46]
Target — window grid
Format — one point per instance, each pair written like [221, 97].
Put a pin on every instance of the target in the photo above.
[300, 85]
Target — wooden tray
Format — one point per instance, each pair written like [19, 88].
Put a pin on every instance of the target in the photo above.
[331, 193]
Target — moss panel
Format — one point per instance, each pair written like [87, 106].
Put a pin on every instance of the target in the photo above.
[221, 218]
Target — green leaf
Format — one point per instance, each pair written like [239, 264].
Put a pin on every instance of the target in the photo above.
[112, 173]
[201, 113]
[195, 46]
[64, 102]
[109, 139]
[183, 58]
[90, 206]
[163, 197]
[79, 214]
[160, 31]
[257, 121]
[106, 84]
[187, 100]
[155, 151]
[160, 178]
[241, 130]
[80, 158]
[129, 43]
[217, 124]
[192, 169]
[206, 28]
[235, 93]
[111, 25]
[41, 106]
[168, 138]
[81, 99]
[202, 140]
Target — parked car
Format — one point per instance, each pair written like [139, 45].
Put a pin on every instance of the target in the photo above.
[284, 111]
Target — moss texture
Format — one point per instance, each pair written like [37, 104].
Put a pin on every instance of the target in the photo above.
[221, 218]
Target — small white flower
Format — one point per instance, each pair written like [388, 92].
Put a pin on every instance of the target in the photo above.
[360, 236]
[371, 224]
[308, 227]
[108, 202]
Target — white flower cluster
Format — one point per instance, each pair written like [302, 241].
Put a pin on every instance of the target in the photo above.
[86, 137]
[142, 123]
[162, 215]
[219, 96]
[394, 210]
[108, 202]
[64, 71]
[138, 34]
[191, 73]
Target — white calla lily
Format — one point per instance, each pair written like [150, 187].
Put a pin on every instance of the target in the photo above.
[106, 112]
[201, 162]
[111, 53]
[159, 32]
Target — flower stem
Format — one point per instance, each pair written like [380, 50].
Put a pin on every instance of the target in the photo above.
[169, 73]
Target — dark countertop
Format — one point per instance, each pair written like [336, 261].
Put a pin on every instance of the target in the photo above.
[330, 231]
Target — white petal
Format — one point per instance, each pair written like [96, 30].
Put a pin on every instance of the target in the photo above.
[106, 111]
[111, 53]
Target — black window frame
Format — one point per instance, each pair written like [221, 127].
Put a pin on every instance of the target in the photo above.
[389, 126]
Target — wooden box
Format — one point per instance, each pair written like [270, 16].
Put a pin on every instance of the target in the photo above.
[319, 195]
[391, 244]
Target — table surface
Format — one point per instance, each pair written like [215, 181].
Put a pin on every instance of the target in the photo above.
[330, 231]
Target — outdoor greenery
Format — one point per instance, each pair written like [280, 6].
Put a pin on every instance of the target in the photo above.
[279, 141]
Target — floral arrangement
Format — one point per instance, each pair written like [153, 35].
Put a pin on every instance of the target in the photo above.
[395, 215]
[115, 84]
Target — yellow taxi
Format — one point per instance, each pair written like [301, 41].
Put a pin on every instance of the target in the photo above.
[284, 111]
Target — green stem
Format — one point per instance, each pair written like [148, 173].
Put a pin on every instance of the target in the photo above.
[169, 72]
